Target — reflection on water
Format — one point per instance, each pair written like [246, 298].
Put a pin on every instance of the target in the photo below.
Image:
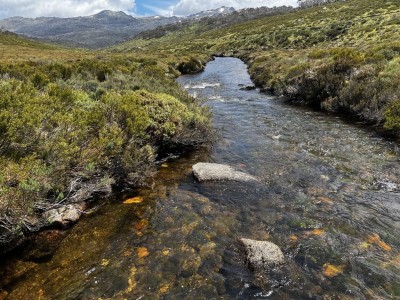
[329, 198]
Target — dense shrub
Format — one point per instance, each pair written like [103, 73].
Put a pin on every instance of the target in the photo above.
[392, 116]
[337, 79]
[192, 66]
[86, 121]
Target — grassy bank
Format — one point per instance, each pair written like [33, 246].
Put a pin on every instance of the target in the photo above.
[74, 122]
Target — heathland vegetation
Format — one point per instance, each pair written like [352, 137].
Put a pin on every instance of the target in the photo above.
[72, 121]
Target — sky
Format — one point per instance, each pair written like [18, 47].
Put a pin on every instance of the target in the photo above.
[73, 8]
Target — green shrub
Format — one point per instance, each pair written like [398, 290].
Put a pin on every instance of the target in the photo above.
[62, 123]
[392, 116]
[192, 66]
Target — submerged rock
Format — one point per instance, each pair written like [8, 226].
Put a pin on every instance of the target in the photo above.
[43, 244]
[260, 264]
[64, 215]
[262, 254]
[248, 88]
[211, 171]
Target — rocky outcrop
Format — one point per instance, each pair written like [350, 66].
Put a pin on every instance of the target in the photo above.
[215, 172]
[262, 255]
[64, 215]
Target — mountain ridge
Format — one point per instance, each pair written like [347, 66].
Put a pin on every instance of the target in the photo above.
[96, 31]
[100, 30]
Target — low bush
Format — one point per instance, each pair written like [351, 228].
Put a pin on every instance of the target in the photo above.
[86, 121]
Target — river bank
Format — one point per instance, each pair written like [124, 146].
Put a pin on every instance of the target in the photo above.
[323, 184]
[342, 81]
[74, 130]
[337, 57]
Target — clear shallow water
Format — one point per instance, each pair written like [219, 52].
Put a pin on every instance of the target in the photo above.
[329, 197]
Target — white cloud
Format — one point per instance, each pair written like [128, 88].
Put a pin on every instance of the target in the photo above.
[186, 7]
[61, 8]
[161, 11]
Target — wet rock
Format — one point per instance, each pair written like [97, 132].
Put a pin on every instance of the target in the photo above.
[190, 266]
[213, 172]
[248, 88]
[16, 269]
[43, 244]
[262, 254]
[207, 249]
[3, 295]
[64, 215]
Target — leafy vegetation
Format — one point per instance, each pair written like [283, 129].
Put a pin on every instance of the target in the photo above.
[86, 121]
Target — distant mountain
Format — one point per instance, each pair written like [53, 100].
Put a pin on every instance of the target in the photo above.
[212, 13]
[214, 19]
[100, 30]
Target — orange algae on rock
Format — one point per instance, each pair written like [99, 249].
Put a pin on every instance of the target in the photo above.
[164, 288]
[142, 252]
[376, 240]
[134, 200]
[142, 224]
[40, 294]
[318, 231]
[332, 270]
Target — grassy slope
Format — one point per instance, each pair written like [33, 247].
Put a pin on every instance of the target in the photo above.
[16, 48]
[73, 122]
[339, 57]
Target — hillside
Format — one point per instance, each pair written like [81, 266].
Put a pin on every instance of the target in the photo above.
[205, 21]
[17, 48]
[340, 57]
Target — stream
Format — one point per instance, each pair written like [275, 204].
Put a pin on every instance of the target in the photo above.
[329, 197]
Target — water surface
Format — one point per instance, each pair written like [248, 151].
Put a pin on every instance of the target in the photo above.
[328, 197]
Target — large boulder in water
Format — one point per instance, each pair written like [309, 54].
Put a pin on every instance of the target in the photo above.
[212, 172]
[262, 254]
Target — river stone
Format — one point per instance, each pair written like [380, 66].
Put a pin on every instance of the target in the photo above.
[262, 254]
[248, 88]
[64, 215]
[211, 172]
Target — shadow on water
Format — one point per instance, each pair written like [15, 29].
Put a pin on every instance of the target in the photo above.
[328, 197]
